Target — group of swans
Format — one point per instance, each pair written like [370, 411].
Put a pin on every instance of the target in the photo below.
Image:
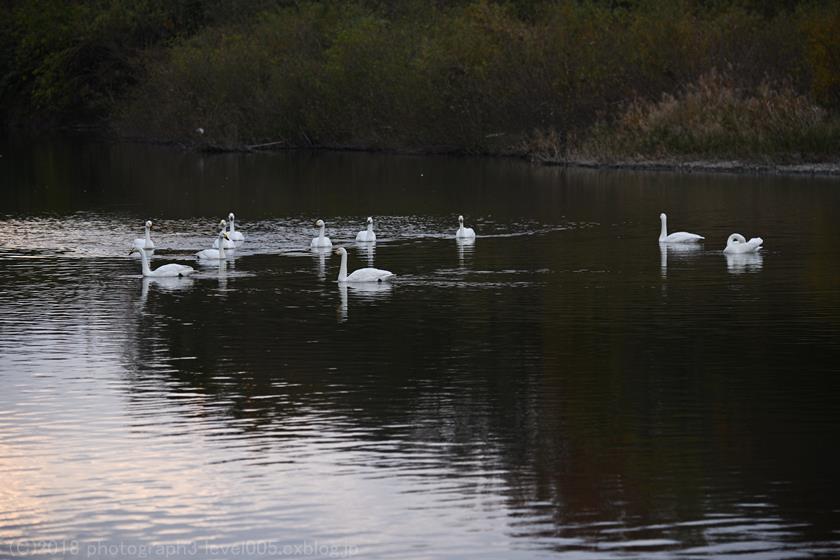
[362, 274]
[735, 244]
[145, 247]
[369, 274]
[228, 239]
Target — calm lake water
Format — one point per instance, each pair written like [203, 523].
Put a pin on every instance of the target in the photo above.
[561, 388]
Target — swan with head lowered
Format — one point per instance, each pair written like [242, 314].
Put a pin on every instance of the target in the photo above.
[361, 275]
[320, 241]
[165, 271]
[235, 236]
[737, 244]
[227, 241]
[677, 237]
[462, 231]
[145, 244]
[367, 235]
[218, 254]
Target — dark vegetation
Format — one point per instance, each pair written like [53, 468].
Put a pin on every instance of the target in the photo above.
[595, 80]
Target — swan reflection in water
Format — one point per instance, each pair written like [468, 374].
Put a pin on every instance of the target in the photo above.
[166, 284]
[744, 262]
[319, 254]
[676, 251]
[466, 249]
[361, 291]
[223, 277]
[366, 250]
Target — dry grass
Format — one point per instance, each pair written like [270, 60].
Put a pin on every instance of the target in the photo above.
[709, 119]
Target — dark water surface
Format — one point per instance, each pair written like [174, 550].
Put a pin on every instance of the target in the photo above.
[561, 388]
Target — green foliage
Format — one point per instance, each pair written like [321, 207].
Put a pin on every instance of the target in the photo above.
[468, 75]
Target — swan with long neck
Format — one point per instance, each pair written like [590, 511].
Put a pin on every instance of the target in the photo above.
[367, 235]
[362, 274]
[234, 235]
[462, 231]
[737, 244]
[145, 243]
[167, 270]
[217, 253]
[677, 237]
[228, 243]
[321, 240]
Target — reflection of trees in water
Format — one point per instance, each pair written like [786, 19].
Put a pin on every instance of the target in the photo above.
[582, 411]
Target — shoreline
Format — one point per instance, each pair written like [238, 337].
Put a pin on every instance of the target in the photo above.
[733, 167]
[688, 166]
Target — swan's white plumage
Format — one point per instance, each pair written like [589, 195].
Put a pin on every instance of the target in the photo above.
[676, 237]
[361, 275]
[736, 244]
[367, 235]
[462, 231]
[145, 243]
[320, 241]
[234, 235]
[167, 270]
[216, 254]
[228, 243]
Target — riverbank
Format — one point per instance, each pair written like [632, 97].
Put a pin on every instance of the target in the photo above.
[688, 166]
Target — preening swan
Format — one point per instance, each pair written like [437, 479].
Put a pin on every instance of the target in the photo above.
[462, 231]
[167, 270]
[367, 235]
[214, 254]
[737, 244]
[361, 275]
[145, 243]
[678, 237]
[321, 241]
[234, 235]
[229, 244]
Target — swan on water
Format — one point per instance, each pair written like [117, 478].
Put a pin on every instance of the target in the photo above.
[235, 236]
[361, 275]
[677, 237]
[462, 231]
[321, 241]
[367, 235]
[229, 244]
[167, 270]
[215, 254]
[145, 243]
[737, 244]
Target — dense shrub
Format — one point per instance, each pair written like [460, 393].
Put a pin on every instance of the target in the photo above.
[712, 118]
[466, 75]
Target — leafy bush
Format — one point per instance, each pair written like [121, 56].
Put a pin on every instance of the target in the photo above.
[473, 76]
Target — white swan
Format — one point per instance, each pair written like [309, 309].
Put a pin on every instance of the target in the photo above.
[736, 244]
[321, 241]
[229, 244]
[145, 243]
[167, 270]
[367, 235]
[677, 237]
[462, 231]
[214, 254]
[361, 275]
[235, 236]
